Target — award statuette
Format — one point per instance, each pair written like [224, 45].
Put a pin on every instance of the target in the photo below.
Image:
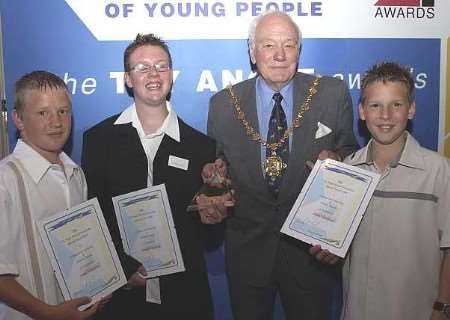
[215, 188]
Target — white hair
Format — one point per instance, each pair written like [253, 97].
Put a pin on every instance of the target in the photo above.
[270, 12]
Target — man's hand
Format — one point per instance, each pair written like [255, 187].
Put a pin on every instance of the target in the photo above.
[323, 155]
[328, 154]
[69, 310]
[213, 209]
[137, 279]
[436, 315]
[323, 256]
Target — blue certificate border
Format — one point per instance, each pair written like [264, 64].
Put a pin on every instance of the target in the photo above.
[342, 170]
[56, 223]
[137, 198]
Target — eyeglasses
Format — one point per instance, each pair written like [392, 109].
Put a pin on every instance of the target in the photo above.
[146, 68]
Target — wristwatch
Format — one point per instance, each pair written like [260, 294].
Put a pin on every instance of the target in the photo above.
[442, 307]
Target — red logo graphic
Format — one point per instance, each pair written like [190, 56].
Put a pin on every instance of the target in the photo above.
[409, 3]
[405, 3]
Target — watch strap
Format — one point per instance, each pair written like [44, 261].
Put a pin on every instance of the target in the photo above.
[442, 307]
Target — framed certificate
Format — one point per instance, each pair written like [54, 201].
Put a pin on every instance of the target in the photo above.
[147, 230]
[331, 205]
[81, 252]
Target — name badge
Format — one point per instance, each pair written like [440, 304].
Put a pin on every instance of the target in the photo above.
[179, 163]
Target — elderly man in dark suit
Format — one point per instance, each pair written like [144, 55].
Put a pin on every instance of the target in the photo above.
[267, 129]
[147, 144]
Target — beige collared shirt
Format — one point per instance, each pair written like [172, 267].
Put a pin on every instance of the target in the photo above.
[392, 270]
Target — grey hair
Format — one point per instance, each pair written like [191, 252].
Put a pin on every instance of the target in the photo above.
[270, 12]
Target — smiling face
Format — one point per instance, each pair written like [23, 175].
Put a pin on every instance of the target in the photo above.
[275, 50]
[149, 88]
[44, 121]
[386, 109]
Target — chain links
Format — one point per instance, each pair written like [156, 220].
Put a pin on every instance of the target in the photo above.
[256, 136]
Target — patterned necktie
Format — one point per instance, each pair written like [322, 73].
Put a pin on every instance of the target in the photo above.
[277, 127]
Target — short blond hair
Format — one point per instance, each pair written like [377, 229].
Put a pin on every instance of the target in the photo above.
[36, 80]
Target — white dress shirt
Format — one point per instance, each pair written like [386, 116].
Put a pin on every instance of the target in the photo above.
[49, 190]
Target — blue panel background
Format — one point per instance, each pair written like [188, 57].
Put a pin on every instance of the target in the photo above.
[48, 35]
[34, 37]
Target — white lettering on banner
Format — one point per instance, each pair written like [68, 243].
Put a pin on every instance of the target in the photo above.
[353, 80]
[229, 78]
[88, 85]
[207, 82]
[120, 81]
[421, 80]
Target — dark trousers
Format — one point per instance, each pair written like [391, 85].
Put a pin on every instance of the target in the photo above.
[299, 303]
[184, 295]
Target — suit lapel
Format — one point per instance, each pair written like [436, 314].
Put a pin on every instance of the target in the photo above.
[167, 147]
[302, 138]
[252, 149]
[130, 154]
[162, 173]
[127, 142]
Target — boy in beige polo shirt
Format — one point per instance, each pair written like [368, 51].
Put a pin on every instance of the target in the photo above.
[399, 265]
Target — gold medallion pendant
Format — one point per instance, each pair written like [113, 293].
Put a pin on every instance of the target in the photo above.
[274, 165]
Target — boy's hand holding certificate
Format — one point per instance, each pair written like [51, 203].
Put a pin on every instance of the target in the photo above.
[331, 205]
[81, 252]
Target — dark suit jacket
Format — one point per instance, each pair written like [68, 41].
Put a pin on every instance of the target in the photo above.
[115, 163]
[253, 232]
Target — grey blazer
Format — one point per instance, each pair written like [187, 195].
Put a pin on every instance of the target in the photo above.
[252, 234]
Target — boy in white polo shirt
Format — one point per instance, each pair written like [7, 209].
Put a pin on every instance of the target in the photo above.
[399, 265]
[37, 180]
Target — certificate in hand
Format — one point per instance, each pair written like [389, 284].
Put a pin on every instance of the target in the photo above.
[147, 230]
[331, 205]
[81, 252]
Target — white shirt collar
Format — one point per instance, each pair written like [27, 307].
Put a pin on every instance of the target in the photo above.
[169, 126]
[36, 165]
